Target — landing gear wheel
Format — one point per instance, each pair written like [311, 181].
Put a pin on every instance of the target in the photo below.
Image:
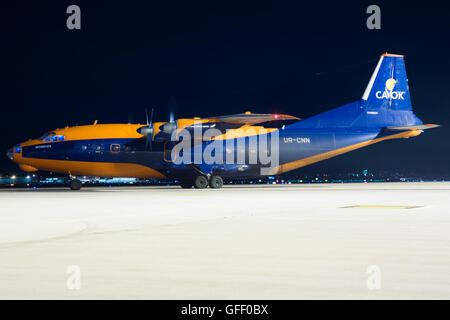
[75, 184]
[215, 182]
[186, 184]
[200, 182]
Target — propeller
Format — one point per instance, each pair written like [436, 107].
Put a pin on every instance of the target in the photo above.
[170, 126]
[148, 130]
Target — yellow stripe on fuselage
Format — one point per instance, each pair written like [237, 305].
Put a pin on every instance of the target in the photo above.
[244, 131]
[93, 169]
[97, 131]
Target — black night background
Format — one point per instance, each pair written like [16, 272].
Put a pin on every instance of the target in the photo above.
[222, 57]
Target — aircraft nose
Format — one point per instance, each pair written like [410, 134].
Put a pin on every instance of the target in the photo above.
[10, 153]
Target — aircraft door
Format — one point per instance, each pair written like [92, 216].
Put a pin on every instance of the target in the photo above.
[168, 146]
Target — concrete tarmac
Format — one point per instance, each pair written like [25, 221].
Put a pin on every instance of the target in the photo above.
[316, 241]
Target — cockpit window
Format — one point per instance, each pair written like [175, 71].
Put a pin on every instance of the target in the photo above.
[52, 137]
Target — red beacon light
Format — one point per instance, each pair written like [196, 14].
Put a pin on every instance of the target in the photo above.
[275, 116]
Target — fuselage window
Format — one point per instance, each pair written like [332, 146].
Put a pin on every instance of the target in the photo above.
[115, 148]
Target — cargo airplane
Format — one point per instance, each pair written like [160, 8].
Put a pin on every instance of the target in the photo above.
[384, 112]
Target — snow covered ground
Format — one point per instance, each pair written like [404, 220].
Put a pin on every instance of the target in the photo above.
[327, 241]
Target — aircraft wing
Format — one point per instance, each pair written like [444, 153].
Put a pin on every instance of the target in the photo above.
[251, 118]
[418, 127]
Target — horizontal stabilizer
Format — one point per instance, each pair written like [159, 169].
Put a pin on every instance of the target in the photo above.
[418, 127]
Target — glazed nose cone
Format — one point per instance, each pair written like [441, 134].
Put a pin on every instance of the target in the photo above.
[10, 153]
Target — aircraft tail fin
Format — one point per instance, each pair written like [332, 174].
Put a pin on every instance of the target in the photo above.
[386, 103]
[388, 87]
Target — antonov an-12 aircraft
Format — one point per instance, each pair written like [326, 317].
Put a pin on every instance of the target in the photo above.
[199, 152]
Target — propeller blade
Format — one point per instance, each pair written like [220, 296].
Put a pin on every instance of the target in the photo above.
[148, 143]
[146, 115]
[151, 117]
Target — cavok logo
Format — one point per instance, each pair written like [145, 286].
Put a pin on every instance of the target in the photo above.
[388, 93]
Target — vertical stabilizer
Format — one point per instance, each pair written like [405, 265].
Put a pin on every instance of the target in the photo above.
[388, 87]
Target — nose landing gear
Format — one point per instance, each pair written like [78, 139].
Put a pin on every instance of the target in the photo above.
[75, 184]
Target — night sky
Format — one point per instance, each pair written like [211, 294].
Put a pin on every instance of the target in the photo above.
[221, 57]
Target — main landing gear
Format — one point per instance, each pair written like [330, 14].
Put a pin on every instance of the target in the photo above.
[201, 182]
[215, 182]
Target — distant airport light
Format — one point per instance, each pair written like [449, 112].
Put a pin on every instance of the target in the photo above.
[275, 116]
[13, 177]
